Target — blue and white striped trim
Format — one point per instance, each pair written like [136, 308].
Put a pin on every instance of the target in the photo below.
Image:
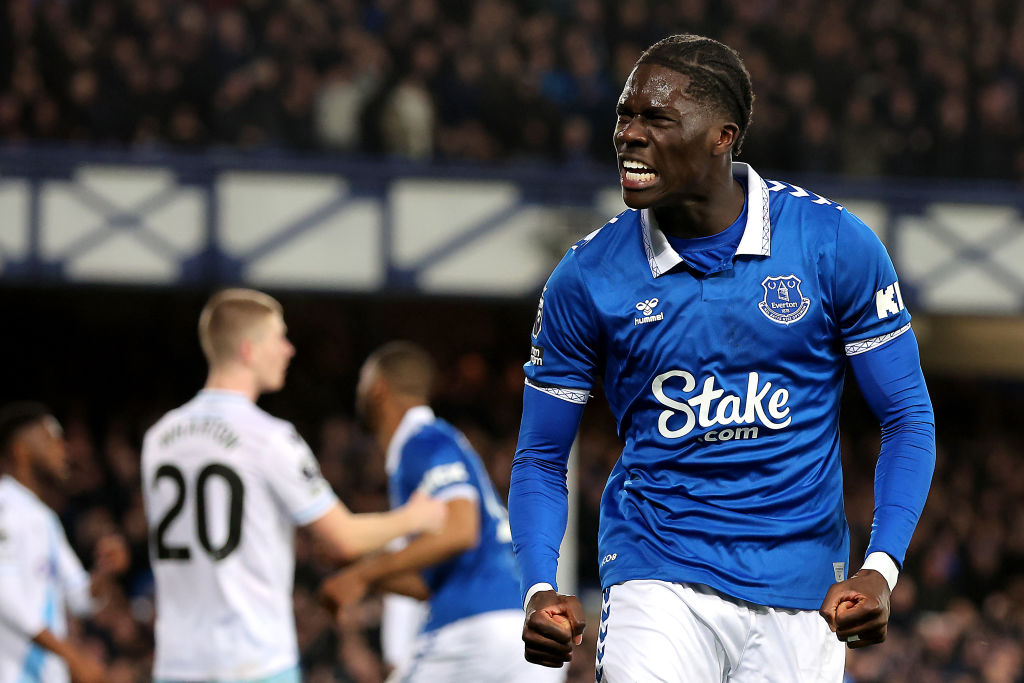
[606, 609]
[578, 396]
[859, 347]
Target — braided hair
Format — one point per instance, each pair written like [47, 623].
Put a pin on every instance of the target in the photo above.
[716, 72]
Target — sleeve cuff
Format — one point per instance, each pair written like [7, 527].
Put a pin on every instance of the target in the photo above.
[884, 565]
[534, 589]
[324, 502]
[456, 491]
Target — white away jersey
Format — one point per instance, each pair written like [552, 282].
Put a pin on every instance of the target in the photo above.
[40, 576]
[225, 485]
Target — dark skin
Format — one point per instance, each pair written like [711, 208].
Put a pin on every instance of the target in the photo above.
[685, 150]
[688, 147]
[858, 607]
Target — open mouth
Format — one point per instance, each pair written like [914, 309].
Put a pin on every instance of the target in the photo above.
[636, 175]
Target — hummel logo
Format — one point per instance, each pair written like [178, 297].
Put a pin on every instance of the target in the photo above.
[647, 306]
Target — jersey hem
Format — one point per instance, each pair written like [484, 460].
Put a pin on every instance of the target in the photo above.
[684, 575]
[430, 627]
[222, 675]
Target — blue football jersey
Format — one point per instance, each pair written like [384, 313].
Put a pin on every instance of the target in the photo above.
[428, 454]
[725, 389]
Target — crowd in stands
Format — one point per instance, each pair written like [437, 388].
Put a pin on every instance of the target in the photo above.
[956, 614]
[863, 88]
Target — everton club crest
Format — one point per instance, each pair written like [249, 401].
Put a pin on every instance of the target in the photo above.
[783, 303]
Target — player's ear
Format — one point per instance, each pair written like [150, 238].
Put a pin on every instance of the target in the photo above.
[245, 350]
[727, 135]
[380, 390]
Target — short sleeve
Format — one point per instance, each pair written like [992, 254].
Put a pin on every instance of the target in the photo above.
[294, 477]
[869, 302]
[565, 336]
[436, 466]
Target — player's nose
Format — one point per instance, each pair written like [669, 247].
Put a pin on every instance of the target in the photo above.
[630, 133]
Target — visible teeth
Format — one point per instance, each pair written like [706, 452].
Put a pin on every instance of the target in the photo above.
[640, 177]
[628, 163]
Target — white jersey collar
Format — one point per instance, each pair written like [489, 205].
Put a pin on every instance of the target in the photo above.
[414, 419]
[757, 234]
[223, 393]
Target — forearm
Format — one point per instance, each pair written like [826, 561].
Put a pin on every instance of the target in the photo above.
[365, 533]
[408, 583]
[892, 383]
[347, 535]
[422, 552]
[538, 503]
[48, 641]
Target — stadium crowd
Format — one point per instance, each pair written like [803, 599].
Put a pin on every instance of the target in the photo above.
[916, 88]
[955, 615]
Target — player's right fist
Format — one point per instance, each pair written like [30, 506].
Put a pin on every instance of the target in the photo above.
[554, 623]
[428, 514]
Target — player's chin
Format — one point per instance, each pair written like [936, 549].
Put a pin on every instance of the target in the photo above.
[638, 198]
[275, 383]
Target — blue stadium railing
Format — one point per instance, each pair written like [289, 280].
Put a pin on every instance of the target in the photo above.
[937, 231]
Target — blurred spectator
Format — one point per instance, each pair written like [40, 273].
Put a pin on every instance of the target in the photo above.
[494, 79]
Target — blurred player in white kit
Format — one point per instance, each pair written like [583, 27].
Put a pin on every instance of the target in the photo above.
[40, 575]
[225, 486]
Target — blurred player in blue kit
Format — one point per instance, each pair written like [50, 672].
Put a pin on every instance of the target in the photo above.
[467, 572]
[720, 311]
[40, 576]
[225, 485]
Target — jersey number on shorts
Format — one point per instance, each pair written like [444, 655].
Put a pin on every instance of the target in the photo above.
[237, 496]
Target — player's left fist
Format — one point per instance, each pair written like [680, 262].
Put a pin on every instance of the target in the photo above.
[111, 556]
[857, 610]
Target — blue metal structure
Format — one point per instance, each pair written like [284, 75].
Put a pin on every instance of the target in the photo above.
[72, 215]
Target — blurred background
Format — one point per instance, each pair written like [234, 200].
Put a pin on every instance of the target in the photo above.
[414, 169]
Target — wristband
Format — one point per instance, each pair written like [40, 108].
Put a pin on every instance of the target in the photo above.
[884, 565]
[534, 589]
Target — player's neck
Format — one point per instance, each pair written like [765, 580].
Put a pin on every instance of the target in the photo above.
[390, 418]
[702, 216]
[24, 474]
[233, 378]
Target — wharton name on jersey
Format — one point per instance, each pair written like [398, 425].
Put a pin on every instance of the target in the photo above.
[728, 402]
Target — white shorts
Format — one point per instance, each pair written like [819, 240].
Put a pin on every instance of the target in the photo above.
[484, 648]
[660, 631]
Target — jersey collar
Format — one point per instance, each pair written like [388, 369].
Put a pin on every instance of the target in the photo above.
[414, 419]
[757, 234]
